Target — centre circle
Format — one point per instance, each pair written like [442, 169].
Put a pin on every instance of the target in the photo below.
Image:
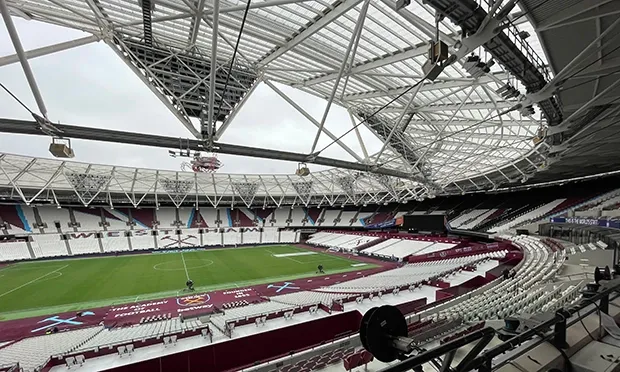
[191, 263]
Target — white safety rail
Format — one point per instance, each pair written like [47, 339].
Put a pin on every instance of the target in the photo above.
[297, 215]
[513, 295]
[408, 274]
[329, 216]
[239, 313]
[529, 216]
[48, 245]
[142, 242]
[33, 352]
[138, 332]
[166, 217]
[13, 251]
[84, 245]
[305, 298]
[115, 243]
[88, 222]
[478, 219]
[49, 215]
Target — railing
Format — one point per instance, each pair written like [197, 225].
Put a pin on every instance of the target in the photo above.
[484, 362]
[524, 47]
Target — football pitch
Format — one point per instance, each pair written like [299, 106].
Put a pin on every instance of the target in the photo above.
[42, 287]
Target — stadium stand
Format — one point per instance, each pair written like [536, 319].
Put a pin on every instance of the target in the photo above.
[14, 251]
[33, 352]
[49, 245]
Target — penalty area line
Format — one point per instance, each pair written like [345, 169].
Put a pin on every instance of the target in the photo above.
[32, 281]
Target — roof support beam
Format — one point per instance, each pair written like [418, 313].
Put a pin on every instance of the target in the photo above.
[50, 49]
[193, 34]
[339, 10]
[448, 107]
[210, 130]
[141, 139]
[426, 87]
[355, 35]
[23, 59]
[313, 121]
[565, 16]
[371, 65]
[220, 131]
[256, 5]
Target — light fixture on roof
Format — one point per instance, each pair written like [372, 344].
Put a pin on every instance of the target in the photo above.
[527, 110]
[400, 4]
[302, 170]
[508, 91]
[61, 148]
[475, 67]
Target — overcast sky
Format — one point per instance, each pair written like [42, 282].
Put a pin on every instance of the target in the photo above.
[91, 86]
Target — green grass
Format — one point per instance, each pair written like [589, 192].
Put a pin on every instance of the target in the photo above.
[44, 287]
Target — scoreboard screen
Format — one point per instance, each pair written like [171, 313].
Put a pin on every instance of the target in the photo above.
[424, 222]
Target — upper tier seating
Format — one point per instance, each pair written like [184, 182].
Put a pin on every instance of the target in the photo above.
[343, 241]
[528, 216]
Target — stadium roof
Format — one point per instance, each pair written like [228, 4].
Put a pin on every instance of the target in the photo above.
[449, 135]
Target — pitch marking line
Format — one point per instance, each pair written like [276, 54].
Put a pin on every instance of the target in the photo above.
[32, 281]
[184, 265]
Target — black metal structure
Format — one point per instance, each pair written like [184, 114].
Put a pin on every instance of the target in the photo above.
[520, 60]
[552, 330]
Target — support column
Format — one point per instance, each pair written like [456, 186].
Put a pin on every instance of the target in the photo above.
[19, 49]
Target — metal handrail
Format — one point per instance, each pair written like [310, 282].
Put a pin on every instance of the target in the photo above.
[483, 362]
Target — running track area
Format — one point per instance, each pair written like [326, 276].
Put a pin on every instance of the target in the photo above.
[190, 305]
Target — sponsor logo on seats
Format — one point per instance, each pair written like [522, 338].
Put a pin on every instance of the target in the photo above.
[194, 300]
